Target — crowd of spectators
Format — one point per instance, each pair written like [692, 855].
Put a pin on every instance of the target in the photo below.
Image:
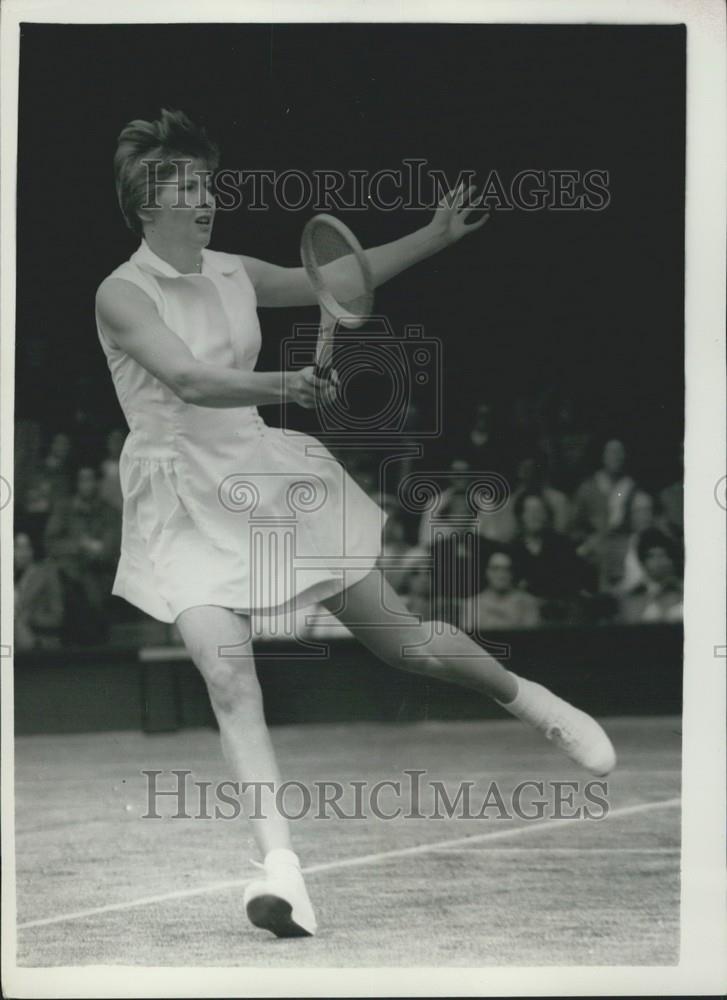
[576, 538]
[562, 544]
[67, 539]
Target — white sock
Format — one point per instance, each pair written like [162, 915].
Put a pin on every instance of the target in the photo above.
[281, 856]
[531, 702]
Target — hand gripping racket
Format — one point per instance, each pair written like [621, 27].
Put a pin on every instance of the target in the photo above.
[341, 277]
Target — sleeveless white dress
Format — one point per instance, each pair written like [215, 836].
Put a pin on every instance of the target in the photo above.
[218, 507]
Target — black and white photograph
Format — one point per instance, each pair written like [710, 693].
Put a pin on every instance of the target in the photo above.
[362, 636]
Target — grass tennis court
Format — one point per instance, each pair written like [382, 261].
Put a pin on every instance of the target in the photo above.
[459, 892]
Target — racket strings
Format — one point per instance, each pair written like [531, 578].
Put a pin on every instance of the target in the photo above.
[327, 246]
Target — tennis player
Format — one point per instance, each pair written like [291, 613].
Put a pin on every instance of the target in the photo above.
[178, 324]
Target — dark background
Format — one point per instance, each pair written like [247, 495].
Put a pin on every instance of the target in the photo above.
[585, 305]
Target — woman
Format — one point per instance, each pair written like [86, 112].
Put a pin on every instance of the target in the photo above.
[501, 604]
[38, 598]
[179, 327]
[615, 554]
[548, 566]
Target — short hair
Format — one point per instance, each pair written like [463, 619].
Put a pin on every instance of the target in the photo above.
[500, 550]
[522, 499]
[636, 494]
[171, 137]
[652, 538]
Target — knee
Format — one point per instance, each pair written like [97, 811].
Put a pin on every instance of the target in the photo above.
[232, 686]
[441, 644]
[423, 651]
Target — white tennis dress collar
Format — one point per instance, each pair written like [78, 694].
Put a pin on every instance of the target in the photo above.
[147, 260]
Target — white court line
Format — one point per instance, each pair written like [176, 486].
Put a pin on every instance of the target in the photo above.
[364, 859]
[560, 850]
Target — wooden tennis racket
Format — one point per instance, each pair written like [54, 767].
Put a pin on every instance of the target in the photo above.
[341, 277]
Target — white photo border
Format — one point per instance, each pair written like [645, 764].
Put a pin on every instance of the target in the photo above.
[703, 963]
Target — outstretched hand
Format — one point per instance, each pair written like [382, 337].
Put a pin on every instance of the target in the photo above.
[450, 221]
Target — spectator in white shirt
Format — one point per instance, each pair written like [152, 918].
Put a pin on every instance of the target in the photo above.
[601, 500]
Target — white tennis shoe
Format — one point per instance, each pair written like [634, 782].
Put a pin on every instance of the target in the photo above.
[571, 730]
[581, 738]
[279, 902]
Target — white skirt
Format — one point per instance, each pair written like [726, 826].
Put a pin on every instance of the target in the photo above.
[263, 524]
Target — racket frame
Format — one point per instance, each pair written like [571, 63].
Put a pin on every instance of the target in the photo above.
[332, 313]
[326, 299]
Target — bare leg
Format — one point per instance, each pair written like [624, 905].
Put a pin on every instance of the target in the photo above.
[371, 609]
[237, 702]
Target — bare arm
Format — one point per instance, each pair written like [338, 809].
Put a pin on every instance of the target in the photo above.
[289, 286]
[133, 323]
